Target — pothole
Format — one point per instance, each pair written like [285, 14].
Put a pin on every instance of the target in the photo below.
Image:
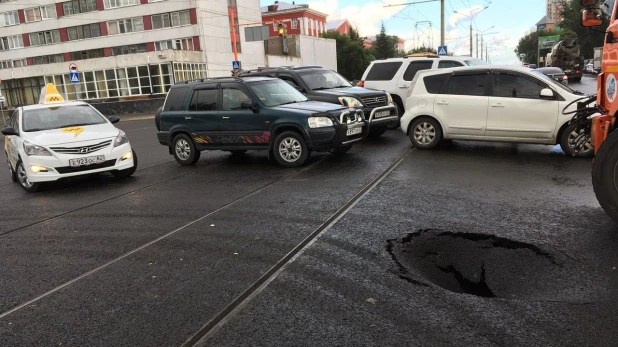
[484, 265]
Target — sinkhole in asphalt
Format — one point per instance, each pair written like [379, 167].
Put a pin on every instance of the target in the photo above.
[480, 264]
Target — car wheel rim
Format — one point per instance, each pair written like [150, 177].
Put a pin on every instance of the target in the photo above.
[23, 179]
[424, 133]
[183, 150]
[576, 144]
[290, 149]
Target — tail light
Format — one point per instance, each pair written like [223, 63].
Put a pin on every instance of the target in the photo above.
[577, 72]
[361, 84]
[565, 78]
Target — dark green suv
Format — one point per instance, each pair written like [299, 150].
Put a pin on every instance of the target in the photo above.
[253, 113]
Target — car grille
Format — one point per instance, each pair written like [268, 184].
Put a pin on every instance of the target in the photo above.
[81, 149]
[69, 169]
[375, 101]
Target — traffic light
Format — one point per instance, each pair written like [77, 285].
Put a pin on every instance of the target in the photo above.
[283, 29]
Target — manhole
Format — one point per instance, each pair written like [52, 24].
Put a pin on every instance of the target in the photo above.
[483, 265]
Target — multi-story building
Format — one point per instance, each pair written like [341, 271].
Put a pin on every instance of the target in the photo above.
[124, 49]
[342, 26]
[399, 46]
[554, 11]
[299, 19]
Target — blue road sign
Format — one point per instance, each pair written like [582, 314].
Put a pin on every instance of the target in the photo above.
[442, 50]
[74, 77]
[236, 65]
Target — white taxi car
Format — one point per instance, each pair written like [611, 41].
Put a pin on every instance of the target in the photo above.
[56, 139]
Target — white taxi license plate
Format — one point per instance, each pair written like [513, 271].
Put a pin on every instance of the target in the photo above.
[383, 114]
[87, 161]
[354, 131]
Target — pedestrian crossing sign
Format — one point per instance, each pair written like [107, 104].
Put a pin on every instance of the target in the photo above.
[442, 50]
[74, 77]
[236, 65]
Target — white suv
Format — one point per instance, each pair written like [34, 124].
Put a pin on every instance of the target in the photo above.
[491, 103]
[395, 75]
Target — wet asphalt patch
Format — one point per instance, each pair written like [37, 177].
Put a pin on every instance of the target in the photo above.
[485, 266]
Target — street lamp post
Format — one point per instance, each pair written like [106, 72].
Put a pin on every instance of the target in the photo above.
[470, 18]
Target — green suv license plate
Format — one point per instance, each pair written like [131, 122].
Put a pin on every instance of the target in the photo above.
[87, 161]
[354, 131]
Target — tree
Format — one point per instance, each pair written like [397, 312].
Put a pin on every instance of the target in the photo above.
[352, 57]
[587, 39]
[527, 49]
[354, 36]
[422, 49]
[383, 46]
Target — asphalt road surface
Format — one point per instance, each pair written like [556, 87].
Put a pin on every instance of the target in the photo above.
[471, 244]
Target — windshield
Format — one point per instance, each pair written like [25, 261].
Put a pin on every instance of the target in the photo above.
[276, 92]
[323, 79]
[60, 117]
[552, 81]
[475, 62]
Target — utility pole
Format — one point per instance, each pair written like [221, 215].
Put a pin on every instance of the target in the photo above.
[477, 45]
[470, 39]
[441, 22]
[482, 47]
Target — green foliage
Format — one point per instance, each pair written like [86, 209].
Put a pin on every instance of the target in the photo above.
[383, 46]
[529, 44]
[352, 57]
[422, 49]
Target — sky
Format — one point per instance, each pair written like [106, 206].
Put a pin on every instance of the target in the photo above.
[502, 22]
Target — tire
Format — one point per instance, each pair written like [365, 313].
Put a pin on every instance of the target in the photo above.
[184, 150]
[290, 149]
[22, 179]
[127, 172]
[343, 149]
[12, 172]
[604, 180]
[568, 147]
[376, 132]
[425, 133]
[238, 151]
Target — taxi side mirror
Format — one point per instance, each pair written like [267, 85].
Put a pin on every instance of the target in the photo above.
[114, 119]
[547, 94]
[9, 131]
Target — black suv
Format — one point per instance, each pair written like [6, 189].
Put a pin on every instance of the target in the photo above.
[253, 113]
[321, 84]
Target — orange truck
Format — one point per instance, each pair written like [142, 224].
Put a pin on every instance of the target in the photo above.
[598, 113]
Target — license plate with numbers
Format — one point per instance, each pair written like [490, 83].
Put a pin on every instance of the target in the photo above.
[86, 161]
[354, 131]
[383, 114]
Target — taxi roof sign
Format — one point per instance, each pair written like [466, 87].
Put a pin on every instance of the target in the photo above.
[50, 95]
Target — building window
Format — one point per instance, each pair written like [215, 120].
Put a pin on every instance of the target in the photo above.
[48, 59]
[36, 14]
[185, 44]
[276, 26]
[79, 6]
[128, 25]
[9, 18]
[119, 3]
[130, 49]
[11, 42]
[20, 63]
[84, 31]
[45, 38]
[5, 64]
[189, 71]
[90, 54]
[167, 20]
[294, 23]
[238, 50]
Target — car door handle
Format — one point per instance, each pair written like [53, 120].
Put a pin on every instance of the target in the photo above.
[187, 117]
[497, 105]
[226, 117]
[404, 86]
[442, 103]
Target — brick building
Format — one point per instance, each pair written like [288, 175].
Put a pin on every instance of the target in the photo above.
[300, 19]
[340, 25]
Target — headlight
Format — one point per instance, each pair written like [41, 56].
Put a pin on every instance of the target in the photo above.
[390, 98]
[31, 149]
[320, 122]
[350, 101]
[121, 139]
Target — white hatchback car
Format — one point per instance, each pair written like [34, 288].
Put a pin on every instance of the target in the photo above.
[490, 103]
[57, 139]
